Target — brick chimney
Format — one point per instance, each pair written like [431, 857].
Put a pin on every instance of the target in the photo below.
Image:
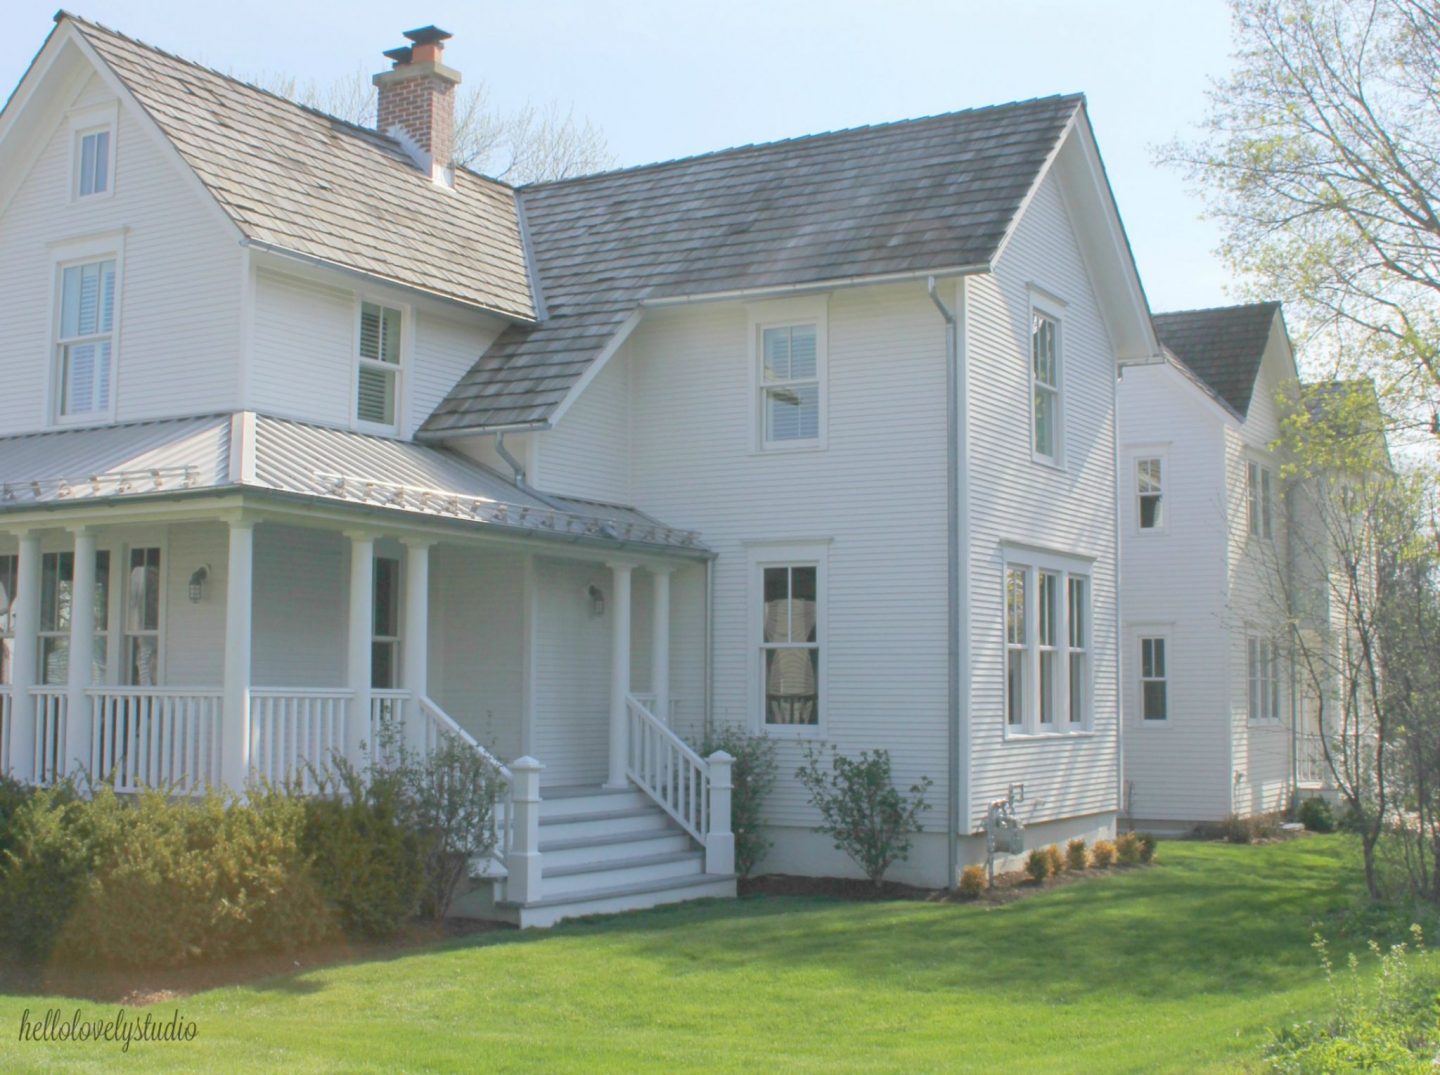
[417, 101]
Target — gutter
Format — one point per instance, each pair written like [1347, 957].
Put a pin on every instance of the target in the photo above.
[818, 285]
[958, 791]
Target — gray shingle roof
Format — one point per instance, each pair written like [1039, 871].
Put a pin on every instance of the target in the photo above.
[921, 195]
[1222, 346]
[311, 184]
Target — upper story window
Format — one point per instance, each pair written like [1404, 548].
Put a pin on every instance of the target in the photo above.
[1263, 675]
[377, 389]
[86, 339]
[1149, 492]
[1045, 385]
[1260, 500]
[1047, 672]
[92, 163]
[790, 384]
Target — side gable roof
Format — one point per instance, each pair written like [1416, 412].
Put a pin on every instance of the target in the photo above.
[921, 196]
[298, 181]
[1223, 346]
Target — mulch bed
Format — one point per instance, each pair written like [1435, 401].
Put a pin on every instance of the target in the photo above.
[132, 987]
[1009, 887]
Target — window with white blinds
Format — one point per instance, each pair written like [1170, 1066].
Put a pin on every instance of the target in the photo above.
[87, 337]
[378, 380]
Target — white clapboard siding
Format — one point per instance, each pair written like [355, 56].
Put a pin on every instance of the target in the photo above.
[195, 630]
[179, 306]
[301, 588]
[571, 672]
[1013, 498]
[303, 355]
[587, 454]
[445, 349]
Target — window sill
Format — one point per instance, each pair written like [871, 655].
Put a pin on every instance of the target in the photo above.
[1057, 464]
[1275, 724]
[1151, 722]
[801, 732]
[789, 449]
[1035, 737]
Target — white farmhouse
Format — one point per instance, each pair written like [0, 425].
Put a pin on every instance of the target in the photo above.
[307, 432]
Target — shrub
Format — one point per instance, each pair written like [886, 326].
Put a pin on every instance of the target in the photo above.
[1056, 858]
[1102, 854]
[752, 775]
[1076, 856]
[1236, 829]
[13, 795]
[972, 882]
[367, 862]
[1127, 849]
[1316, 815]
[452, 795]
[861, 809]
[1037, 865]
[43, 873]
[1147, 846]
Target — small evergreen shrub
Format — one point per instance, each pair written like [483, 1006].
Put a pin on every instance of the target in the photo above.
[1237, 830]
[862, 810]
[1316, 815]
[1102, 854]
[13, 795]
[1127, 849]
[972, 882]
[1076, 855]
[1037, 865]
[1056, 860]
[753, 775]
[43, 873]
[452, 795]
[1147, 846]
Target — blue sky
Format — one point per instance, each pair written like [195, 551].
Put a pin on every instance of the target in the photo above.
[666, 79]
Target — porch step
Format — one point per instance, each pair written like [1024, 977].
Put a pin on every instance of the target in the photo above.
[601, 823]
[614, 873]
[578, 800]
[634, 897]
[624, 845]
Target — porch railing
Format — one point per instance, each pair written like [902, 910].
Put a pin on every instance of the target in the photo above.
[389, 719]
[435, 724]
[51, 708]
[695, 791]
[296, 733]
[155, 737]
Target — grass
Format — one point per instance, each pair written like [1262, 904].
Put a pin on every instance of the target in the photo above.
[1181, 968]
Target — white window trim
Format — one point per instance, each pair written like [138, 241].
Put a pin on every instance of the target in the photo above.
[781, 313]
[89, 121]
[117, 666]
[64, 254]
[1141, 679]
[403, 370]
[1134, 632]
[1263, 466]
[1049, 306]
[759, 556]
[1134, 455]
[1065, 566]
[1258, 638]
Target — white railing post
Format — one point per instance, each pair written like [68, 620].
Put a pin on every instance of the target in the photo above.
[660, 643]
[415, 645]
[362, 636]
[719, 840]
[522, 883]
[235, 710]
[619, 672]
[81, 657]
[25, 659]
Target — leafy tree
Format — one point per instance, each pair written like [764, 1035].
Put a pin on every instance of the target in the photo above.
[1321, 161]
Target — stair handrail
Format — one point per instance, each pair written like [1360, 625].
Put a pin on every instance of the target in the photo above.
[668, 769]
[505, 821]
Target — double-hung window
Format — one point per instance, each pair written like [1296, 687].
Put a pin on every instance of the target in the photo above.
[92, 162]
[385, 642]
[1154, 679]
[790, 643]
[86, 340]
[1263, 675]
[1045, 385]
[1260, 500]
[1047, 649]
[377, 389]
[142, 618]
[57, 575]
[1149, 493]
[790, 384]
[9, 573]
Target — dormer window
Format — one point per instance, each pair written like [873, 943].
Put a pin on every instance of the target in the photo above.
[378, 378]
[93, 165]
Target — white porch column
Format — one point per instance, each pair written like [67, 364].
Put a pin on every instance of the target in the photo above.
[362, 637]
[719, 838]
[619, 673]
[522, 865]
[660, 642]
[25, 657]
[81, 659]
[239, 598]
[415, 645]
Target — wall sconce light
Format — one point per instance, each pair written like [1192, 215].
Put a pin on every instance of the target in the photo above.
[597, 600]
[197, 583]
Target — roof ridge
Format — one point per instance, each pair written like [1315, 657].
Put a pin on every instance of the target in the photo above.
[753, 147]
[1221, 309]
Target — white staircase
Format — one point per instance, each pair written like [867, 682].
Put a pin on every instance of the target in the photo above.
[607, 850]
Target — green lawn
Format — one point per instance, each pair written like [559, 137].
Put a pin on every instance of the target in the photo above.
[1179, 968]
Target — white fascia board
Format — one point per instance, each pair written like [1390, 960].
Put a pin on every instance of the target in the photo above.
[599, 363]
[21, 143]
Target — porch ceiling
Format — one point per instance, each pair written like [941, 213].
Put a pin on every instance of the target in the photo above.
[257, 454]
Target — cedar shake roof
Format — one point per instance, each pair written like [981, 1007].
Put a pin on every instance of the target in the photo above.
[310, 184]
[925, 195]
[1222, 346]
